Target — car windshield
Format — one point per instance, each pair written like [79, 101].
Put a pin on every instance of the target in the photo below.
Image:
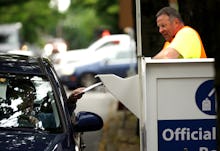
[28, 102]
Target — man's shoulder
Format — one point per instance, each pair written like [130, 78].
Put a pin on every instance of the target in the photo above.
[187, 29]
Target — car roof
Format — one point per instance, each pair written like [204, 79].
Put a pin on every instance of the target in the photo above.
[13, 63]
[121, 38]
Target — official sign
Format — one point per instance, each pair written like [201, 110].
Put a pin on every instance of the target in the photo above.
[180, 106]
[185, 133]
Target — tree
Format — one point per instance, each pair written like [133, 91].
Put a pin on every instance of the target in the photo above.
[85, 18]
[78, 25]
[35, 15]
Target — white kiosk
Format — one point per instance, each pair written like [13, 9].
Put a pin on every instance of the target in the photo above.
[174, 100]
[177, 109]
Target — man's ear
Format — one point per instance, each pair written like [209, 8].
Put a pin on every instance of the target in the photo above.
[176, 21]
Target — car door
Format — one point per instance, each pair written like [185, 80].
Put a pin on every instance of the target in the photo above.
[119, 63]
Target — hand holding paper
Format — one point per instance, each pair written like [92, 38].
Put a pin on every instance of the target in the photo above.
[77, 93]
[92, 87]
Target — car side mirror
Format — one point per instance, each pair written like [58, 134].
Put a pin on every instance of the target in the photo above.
[87, 121]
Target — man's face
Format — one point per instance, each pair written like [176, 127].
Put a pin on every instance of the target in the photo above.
[166, 27]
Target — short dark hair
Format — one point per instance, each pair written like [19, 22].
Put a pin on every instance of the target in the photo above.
[169, 11]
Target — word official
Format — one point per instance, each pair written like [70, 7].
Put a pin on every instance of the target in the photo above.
[186, 134]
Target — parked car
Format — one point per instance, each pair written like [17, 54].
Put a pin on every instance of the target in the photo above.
[122, 63]
[34, 114]
[108, 43]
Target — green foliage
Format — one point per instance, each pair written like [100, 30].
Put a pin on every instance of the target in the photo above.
[36, 17]
[85, 19]
[108, 12]
[78, 25]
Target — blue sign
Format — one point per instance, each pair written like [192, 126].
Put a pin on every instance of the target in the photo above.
[191, 134]
[187, 135]
[205, 97]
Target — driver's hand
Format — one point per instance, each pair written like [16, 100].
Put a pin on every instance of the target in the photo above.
[76, 94]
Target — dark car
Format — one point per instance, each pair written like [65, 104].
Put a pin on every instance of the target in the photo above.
[122, 63]
[34, 113]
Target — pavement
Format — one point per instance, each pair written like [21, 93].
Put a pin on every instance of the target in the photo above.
[120, 132]
[120, 126]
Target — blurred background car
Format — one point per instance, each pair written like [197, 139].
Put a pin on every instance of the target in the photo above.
[34, 114]
[10, 38]
[120, 62]
[64, 62]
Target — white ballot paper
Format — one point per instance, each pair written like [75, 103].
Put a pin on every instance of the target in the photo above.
[92, 87]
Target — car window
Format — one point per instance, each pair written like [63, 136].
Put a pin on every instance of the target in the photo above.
[28, 102]
[103, 42]
[125, 55]
[109, 44]
[3, 38]
[120, 55]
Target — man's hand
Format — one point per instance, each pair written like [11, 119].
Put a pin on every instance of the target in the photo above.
[76, 94]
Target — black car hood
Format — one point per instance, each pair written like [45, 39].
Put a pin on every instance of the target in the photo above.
[37, 141]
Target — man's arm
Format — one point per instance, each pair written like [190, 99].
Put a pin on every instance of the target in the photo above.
[167, 53]
[75, 95]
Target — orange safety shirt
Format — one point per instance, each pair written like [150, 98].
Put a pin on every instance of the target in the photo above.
[188, 43]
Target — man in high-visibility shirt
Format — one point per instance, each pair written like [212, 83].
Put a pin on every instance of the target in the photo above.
[181, 41]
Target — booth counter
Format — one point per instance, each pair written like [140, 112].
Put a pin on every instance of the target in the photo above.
[175, 102]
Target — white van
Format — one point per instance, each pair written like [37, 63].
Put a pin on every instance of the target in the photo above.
[10, 37]
[120, 42]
